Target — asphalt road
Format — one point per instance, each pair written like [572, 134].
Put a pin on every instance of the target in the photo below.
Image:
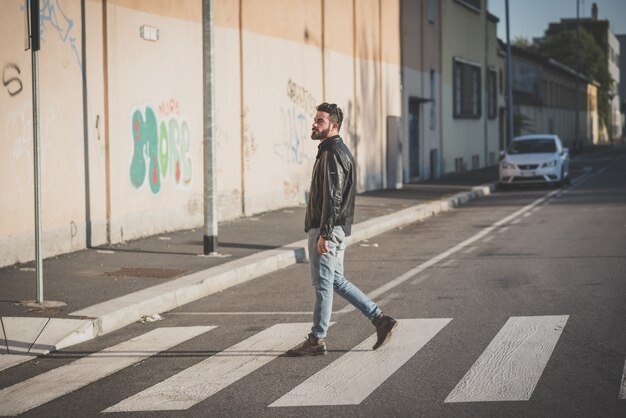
[513, 305]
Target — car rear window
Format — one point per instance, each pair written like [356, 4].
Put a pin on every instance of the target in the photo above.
[532, 146]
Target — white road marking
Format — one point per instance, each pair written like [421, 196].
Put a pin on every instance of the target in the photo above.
[622, 391]
[419, 279]
[20, 333]
[415, 271]
[240, 313]
[515, 222]
[449, 263]
[470, 250]
[198, 382]
[58, 382]
[527, 214]
[503, 230]
[10, 360]
[355, 375]
[510, 367]
[489, 238]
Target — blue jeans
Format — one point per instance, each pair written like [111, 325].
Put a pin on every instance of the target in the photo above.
[327, 274]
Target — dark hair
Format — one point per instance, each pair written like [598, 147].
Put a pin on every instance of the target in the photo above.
[335, 114]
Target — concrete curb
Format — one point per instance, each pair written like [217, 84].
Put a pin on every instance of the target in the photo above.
[117, 313]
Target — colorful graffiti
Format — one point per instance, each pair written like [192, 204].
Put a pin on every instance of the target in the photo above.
[160, 149]
[52, 17]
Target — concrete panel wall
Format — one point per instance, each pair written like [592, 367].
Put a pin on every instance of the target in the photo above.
[155, 123]
[128, 156]
[62, 162]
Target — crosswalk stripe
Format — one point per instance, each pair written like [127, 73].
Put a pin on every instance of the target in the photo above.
[10, 360]
[355, 375]
[208, 377]
[58, 382]
[510, 367]
[622, 391]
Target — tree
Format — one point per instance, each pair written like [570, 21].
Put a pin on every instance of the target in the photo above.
[521, 42]
[561, 46]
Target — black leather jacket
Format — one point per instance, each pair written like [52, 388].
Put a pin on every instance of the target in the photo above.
[333, 189]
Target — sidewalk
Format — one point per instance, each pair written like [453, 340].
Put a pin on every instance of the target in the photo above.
[107, 288]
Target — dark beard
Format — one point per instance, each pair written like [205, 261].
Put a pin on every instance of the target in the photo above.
[320, 135]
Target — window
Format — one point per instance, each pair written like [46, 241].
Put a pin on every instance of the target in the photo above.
[532, 146]
[432, 10]
[467, 98]
[433, 103]
[492, 96]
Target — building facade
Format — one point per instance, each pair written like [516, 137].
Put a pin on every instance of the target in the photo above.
[544, 97]
[610, 46]
[470, 94]
[421, 91]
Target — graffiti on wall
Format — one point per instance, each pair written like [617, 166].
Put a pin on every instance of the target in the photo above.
[11, 80]
[52, 18]
[301, 97]
[296, 129]
[160, 148]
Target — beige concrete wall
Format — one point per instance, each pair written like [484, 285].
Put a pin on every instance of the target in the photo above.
[155, 122]
[126, 76]
[274, 61]
[283, 58]
[62, 162]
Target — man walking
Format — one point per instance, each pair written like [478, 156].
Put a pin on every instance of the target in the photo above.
[328, 222]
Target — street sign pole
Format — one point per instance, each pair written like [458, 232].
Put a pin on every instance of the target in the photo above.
[33, 9]
[210, 186]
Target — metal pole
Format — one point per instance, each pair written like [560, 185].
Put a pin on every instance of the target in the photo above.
[509, 77]
[210, 206]
[34, 25]
[576, 130]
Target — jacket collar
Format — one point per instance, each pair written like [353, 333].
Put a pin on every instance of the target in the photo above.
[326, 144]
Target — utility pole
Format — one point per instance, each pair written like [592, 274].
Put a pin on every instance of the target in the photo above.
[509, 77]
[576, 130]
[210, 192]
[32, 10]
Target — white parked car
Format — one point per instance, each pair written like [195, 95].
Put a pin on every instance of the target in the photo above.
[534, 159]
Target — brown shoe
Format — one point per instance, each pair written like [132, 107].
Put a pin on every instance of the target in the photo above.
[312, 346]
[384, 328]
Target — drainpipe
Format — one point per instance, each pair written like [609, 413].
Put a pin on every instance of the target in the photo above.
[509, 76]
[85, 126]
[210, 192]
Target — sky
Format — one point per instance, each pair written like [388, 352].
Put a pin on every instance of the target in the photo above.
[530, 18]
